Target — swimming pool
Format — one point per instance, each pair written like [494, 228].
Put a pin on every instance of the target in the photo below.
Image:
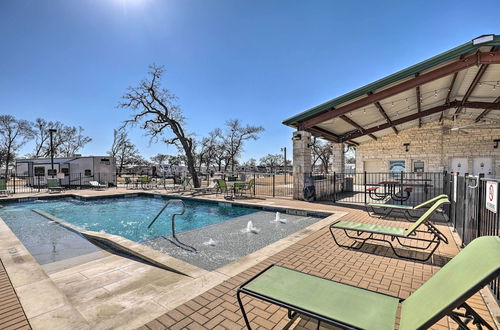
[126, 217]
[211, 234]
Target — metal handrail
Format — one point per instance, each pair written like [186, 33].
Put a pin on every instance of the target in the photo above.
[173, 215]
[176, 240]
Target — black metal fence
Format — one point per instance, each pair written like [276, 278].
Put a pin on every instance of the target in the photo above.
[32, 184]
[367, 187]
[266, 184]
[470, 215]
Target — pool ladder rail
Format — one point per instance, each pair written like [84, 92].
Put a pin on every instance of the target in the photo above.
[176, 240]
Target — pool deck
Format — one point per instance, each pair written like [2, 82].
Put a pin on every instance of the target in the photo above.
[110, 291]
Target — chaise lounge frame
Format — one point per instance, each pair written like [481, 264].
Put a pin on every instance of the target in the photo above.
[406, 210]
[390, 234]
[453, 304]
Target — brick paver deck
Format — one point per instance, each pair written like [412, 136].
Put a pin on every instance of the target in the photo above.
[11, 313]
[374, 267]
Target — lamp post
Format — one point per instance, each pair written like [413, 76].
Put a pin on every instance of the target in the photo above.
[284, 152]
[51, 132]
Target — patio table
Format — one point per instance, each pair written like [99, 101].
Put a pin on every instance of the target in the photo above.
[234, 184]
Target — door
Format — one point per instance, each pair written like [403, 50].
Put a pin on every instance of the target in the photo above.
[482, 165]
[459, 165]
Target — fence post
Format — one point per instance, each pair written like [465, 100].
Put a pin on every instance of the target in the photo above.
[254, 183]
[80, 180]
[479, 198]
[401, 182]
[334, 185]
[364, 183]
[14, 183]
[274, 182]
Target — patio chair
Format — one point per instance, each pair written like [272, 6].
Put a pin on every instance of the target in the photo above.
[363, 232]
[247, 188]
[402, 209]
[53, 185]
[210, 188]
[347, 306]
[222, 187]
[97, 186]
[3, 188]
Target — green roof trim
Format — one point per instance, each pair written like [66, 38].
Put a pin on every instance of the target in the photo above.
[405, 73]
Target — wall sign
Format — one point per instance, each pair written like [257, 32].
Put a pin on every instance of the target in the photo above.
[491, 195]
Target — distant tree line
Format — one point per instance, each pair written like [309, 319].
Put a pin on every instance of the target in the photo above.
[15, 133]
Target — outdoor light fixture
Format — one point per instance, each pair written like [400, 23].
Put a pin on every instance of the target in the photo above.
[407, 146]
[51, 132]
[483, 39]
[496, 143]
[297, 137]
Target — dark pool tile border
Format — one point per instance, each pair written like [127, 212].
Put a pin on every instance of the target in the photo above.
[269, 208]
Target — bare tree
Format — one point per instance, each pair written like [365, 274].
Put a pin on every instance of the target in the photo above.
[322, 151]
[72, 141]
[14, 134]
[272, 161]
[235, 138]
[123, 150]
[209, 148]
[67, 140]
[154, 109]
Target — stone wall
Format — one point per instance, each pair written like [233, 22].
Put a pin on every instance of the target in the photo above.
[436, 145]
[301, 161]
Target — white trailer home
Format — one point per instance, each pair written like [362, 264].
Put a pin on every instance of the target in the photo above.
[72, 171]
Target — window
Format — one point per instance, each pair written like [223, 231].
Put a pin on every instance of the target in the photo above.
[39, 170]
[418, 166]
[88, 173]
[65, 171]
[396, 167]
[105, 161]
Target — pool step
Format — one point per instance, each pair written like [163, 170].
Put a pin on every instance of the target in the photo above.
[132, 248]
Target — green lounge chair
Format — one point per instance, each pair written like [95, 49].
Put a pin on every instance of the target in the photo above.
[3, 188]
[247, 188]
[53, 185]
[404, 209]
[364, 232]
[222, 187]
[350, 307]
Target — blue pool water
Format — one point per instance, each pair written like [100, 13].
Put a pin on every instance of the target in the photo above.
[127, 217]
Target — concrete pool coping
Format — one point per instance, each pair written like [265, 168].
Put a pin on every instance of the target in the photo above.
[200, 280]
[32, 284]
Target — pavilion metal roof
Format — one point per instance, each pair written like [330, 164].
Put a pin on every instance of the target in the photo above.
[462, 82]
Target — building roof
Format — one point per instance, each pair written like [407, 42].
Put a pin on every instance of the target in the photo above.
[462, 81]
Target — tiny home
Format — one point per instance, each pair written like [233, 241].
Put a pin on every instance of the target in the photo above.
[72, 171]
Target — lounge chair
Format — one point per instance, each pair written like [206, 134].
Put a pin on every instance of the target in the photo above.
[204, 190]
[380, 232]
[97, 186]
[247, 188]
[3, 188]
[222, 187]
[53, 185]
[444, 294]
[404, 209]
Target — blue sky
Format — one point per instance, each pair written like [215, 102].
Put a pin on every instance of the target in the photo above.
[259, 61]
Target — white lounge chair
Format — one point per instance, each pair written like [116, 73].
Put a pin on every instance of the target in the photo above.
[97, 186]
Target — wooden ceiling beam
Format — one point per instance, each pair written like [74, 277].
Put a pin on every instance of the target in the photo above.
[461, 64]
[474, 83]
[424, 113]
[353, 123]
[419, 103]
[450, 90]
[486, 111]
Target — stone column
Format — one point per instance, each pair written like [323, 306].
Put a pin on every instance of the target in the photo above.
[338, 165]
[301, 161]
